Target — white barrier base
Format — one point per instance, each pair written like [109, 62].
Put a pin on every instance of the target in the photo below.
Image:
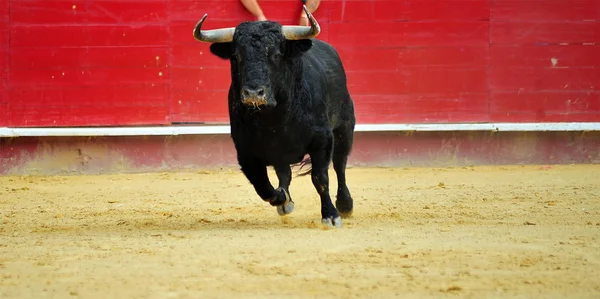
[224, 129]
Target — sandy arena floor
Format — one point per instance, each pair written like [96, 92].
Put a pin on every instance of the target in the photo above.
[473, 232]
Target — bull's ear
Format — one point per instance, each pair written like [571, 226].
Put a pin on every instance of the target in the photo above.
[222, 50]
[297, 47]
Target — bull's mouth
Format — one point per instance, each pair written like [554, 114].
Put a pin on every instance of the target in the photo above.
[255, 102]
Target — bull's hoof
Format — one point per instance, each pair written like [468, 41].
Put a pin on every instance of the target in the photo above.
[285, 205]
[286, 208]
[332, 222]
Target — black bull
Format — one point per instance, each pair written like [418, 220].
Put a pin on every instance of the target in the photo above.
[288, 97]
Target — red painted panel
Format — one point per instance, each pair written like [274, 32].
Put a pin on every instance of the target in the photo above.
[548, 10]
[4, 37]
[533, 117]
[430, 57]
[464, 56]
[24, 115]
[89, 57]
[285, 12]
[370, 59]
[4, 9]
[37, 78]
[399, 34]
[216, 10]
[198, 55]
[200, 79]
[418, 80]
[394, 10]
[521, 32]
[3, 59]
[104, 96]
[53, 12]
[550, 102]
[206, 106]
[544, 79]
[93, 35]
[4, 120]
[415, 108]
[390, 59]
[572, 56]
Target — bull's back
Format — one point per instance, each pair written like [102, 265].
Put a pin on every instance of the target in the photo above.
[330, 71]
[324, 55]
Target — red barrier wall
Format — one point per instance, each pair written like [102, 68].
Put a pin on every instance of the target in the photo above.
[125, 62]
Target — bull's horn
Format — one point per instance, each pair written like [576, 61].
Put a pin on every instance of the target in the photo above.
[222, 35]
[302, 32]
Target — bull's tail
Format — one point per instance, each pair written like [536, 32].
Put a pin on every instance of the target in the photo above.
[303, 163]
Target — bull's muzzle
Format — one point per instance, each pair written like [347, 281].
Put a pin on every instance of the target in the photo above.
[254, 96]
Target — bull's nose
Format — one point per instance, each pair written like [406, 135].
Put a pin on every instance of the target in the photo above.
[254, 96]
[253, 92]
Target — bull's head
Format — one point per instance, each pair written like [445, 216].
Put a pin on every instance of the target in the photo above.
[261, 55]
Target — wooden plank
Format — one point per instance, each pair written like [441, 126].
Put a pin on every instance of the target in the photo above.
[418, 80]
[216, 10]
[286, 12]
[53, 12]
[541, 117]
[197, 79]
[402, 34]
[4, 9]
[93, 35]
[194, 106]
[572, 56]
[549, 102]
[127, 12]
[117, 96]
[90, 57]
[520, 79]
[24, 115]
[541, 33]
[4, 120]
[197, 55]
[40, 78]
[370, 59]
[393, 10]
[453, 56]
[415, 118]
[549, 10]
[389, 59]
[456, 104]
[4, 59]
[202, 118]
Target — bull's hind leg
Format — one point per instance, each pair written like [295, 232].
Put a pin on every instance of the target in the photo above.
[343, 140]
[256, 172]
[284, 174]
[320, 155]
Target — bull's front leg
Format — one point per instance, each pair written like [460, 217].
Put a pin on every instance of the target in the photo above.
[320, 155]
[256, 172]
[284, 174]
